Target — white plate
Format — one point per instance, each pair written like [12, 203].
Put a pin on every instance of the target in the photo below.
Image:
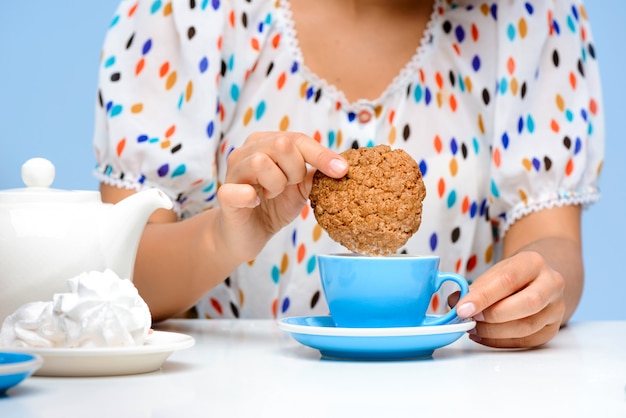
[114, 361]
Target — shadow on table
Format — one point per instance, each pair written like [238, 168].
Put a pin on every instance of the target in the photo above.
[176, 367]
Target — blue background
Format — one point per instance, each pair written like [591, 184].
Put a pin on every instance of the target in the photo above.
[49, 58]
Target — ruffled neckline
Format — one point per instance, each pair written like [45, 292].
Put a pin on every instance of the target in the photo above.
[400, 81]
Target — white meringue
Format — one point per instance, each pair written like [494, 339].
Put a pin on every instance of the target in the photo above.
[101, 310]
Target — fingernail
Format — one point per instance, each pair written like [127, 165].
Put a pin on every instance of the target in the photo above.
[466, 310]
[475, 338]
[479, 317]
[338, 165]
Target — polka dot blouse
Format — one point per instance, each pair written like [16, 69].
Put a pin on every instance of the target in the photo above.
[500, 106]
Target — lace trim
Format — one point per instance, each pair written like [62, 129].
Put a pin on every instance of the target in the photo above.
[129, 185]
[585, 199]
[399, 81]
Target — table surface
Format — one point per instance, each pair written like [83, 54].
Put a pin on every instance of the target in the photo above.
[251, 368]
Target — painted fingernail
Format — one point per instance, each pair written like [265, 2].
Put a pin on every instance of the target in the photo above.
[475, 337]
[479, 317]
[466, 310]
[338, 165]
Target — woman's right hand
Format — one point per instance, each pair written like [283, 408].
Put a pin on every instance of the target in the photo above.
[268, 180]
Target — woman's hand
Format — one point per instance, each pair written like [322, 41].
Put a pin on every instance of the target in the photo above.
[517, 303]
[523, 300]
[268, 181]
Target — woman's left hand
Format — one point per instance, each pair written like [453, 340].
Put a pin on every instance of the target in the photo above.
[519, 302]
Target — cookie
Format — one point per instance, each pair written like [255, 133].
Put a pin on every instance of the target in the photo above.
[377, 206]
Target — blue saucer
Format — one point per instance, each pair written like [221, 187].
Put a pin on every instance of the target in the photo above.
[15, 367]
[320, 332]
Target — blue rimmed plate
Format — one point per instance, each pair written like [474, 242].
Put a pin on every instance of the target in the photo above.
[320, 332]
[15, 367]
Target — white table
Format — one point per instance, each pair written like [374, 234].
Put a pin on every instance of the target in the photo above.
[250, 368]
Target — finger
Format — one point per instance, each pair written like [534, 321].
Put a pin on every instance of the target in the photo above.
[290, 151]
[267, 174]
[310, 150]
[520, 328]
[283, 151]
[537, 339]
[502, 280]
[320, 157]
[278, 155]
[544, 291]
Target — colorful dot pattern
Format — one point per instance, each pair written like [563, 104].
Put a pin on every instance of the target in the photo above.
[500, 106]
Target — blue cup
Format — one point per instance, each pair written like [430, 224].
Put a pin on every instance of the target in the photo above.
[376, 292]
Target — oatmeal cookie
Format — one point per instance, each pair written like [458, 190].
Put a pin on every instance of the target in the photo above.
[377, 206]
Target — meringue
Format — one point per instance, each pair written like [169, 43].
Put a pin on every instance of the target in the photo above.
[100, 310]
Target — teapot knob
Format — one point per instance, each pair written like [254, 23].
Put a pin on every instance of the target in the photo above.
[38, 172]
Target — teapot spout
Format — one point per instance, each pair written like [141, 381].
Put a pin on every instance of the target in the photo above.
[123, 226]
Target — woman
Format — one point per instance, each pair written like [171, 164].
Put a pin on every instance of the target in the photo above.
[229, 107]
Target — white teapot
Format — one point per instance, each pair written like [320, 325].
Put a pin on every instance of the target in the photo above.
[48, 235]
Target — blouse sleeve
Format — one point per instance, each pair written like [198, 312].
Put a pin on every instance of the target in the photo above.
[157, 117]
[548, 146]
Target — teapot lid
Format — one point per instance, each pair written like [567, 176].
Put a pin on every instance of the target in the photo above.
[38, 174]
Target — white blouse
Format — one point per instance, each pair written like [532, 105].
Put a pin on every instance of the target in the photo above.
[500, 105]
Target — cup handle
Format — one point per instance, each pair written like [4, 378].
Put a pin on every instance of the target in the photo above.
[451, 315]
